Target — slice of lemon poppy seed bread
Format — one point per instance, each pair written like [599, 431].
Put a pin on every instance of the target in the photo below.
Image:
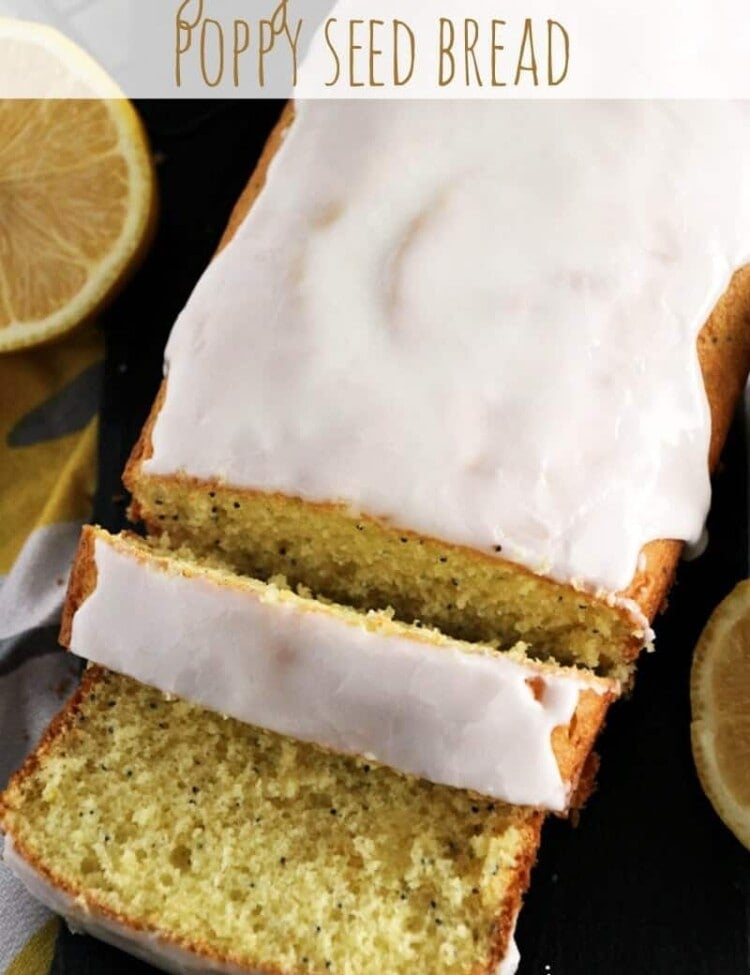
[465, 715]
[202, 844]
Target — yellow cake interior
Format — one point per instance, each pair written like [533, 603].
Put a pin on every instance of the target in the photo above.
[184, 559]
[359, 562]
[272, 852]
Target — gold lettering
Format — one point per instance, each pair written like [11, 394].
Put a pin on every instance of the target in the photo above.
[469, 53]
[204, 56]
[265, 46]
[527, 41]
[446, 51]
[280, 18]
[293, 42]
[399, 27]
[329, 23]
[241, 44]
[551, 79]
[374, 53]
[496, 47]
[353, 25]
[184, 31]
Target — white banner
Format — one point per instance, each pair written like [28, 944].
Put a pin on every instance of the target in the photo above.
[387, 48]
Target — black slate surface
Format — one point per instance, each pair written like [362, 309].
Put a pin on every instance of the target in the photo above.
[650, 882]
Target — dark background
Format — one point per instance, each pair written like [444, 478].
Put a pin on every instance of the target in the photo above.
[650, 882]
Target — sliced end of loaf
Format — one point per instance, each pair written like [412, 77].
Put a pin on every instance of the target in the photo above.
[247, 848]
[277, 646]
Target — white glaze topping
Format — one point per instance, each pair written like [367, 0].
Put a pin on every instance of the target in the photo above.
[476, 320]
[509, 964]
[453, 713]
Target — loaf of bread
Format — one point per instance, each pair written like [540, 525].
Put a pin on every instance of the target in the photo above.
[496, 469]
[436, 424]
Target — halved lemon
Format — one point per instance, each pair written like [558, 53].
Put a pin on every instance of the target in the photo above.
[720, 698]
[77, 190]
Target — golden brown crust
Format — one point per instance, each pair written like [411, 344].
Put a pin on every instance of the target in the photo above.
[143, 449]
[572, 744]
[66, 722]
[724, 356]
[81, 583]
[258, 179]
[585, 788]
[513, 899]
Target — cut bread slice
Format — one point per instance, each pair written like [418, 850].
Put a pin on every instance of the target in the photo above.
[280, 437]
[464, 715]
[205, 845]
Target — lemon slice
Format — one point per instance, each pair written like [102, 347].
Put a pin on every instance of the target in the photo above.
[720, 697]
[77, 196]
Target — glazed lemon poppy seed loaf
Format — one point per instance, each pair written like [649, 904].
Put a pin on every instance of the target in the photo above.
[433, 377]
[205, 845]
[465, 715]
